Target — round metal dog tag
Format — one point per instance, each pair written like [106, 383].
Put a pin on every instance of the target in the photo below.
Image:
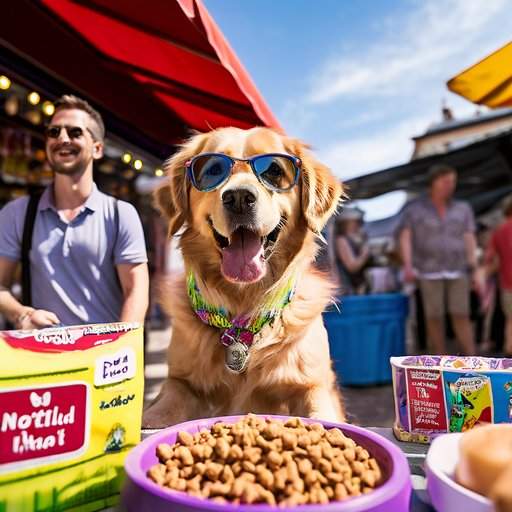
[237, 355]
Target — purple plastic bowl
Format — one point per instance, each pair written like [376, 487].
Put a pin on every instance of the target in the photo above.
[140, 494]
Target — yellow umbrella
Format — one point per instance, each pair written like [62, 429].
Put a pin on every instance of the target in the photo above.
[488, 82]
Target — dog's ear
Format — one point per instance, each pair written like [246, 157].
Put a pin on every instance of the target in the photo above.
[321, 191]
[174, 210]
[171, 198]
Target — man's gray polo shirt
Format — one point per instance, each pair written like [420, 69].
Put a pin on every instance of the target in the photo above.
[438, 244]
[73, 263]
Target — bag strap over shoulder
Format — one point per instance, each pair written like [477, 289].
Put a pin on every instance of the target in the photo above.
[26, 245]
[116, 219]
[116, 236]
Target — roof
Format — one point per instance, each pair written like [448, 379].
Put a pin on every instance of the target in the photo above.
[484, 173]
[454, 124]
[163, 67]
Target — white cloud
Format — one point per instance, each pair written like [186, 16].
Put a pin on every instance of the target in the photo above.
[363, 118]
[297, 114]
[353, 156]
[432, 43]
[365, 103]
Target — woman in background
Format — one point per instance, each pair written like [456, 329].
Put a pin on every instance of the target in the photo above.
[351, 251]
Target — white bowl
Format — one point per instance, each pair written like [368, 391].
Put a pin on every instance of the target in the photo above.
[445, 493]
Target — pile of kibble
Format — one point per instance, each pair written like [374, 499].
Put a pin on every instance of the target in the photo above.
[259, 460]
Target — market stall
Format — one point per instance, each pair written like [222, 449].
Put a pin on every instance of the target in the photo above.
[169, 72]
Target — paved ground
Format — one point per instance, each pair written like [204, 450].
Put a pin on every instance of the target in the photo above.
[369, 406]
[155, 362]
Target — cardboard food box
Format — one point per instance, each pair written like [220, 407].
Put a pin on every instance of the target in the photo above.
[70, 410]
[439, 394]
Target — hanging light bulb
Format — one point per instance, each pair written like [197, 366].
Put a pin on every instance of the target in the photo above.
[34, 116]
[137, 164]
[12, 104]
[5, 83]
[128, 174]
[126, 158]
[34, 98]
[40, 155]
[159, 172]
[48, 108]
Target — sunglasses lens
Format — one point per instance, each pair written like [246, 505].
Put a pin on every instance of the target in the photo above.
[210, 171]
[277, 172]
[74, 132]
[53, 132]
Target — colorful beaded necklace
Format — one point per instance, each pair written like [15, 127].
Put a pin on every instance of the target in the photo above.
[238, 333]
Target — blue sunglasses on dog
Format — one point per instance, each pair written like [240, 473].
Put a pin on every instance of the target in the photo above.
[275, 171]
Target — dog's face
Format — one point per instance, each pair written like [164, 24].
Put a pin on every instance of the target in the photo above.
[244, 225]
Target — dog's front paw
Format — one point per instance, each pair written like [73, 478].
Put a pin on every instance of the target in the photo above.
[158, 417]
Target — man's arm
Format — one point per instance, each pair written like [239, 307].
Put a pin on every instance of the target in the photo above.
[470, 244]
[491, 258]
[9, 306]
[22, 317]
[406, 254]
[134, 280]
[477, 275]
[470, 239]
[345, 253]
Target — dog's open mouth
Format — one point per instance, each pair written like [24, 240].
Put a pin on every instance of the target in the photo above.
[245, 253]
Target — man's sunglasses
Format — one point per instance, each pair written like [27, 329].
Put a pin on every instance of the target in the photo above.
[74, 132]
[277, 172]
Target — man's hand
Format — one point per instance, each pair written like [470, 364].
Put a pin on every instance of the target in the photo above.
[410, 275]
[478, 281]
[37, 319]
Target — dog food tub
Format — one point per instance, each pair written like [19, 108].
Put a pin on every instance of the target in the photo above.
[365, 332]
[142, 494]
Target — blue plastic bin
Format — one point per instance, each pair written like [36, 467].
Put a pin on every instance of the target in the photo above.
[364, 334]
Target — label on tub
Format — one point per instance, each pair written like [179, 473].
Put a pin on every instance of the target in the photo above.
[426, 399]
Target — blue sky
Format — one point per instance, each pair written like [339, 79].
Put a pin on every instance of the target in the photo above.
[358, 79]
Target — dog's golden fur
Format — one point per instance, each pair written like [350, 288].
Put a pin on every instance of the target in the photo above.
[289, 370]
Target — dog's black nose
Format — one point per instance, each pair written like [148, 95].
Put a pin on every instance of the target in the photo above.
[239, 200]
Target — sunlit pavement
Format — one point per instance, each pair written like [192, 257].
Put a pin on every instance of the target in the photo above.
[155, 361]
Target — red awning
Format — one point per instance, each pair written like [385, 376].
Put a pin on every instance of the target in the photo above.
[161, 65]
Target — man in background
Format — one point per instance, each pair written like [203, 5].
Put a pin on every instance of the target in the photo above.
[438, 248]
[88, 259]
[499, 256]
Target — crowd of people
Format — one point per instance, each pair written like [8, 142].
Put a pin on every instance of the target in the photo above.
[438, 255]
[84, 259]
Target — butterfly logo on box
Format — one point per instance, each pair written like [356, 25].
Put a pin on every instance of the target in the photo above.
[41, 424]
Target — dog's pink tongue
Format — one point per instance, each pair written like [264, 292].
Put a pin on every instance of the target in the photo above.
[242, 260]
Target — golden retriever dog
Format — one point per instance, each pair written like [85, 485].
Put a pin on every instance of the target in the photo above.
[250, 206]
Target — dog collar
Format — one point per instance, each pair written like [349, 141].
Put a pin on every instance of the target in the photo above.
[238, 333]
